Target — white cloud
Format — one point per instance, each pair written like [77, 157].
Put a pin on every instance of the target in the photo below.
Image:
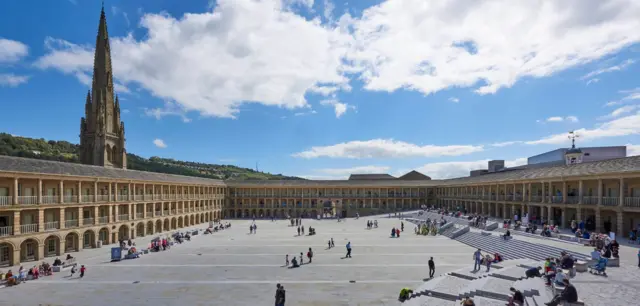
[633, 150]
[242, 51]
[505, 144]
[619, 111]
[169, 109]
[304, 3]
[561, 119]
[623, 126]
[454, 100]
[386, 148]
[593, 81]
[12, 51]
[429, 46]
[618, 67]
[12, 80]
[455, 169]
[630, 95]
[159, 143]
[328, 10]
[339, 107]
[353, 170]
[312, 112]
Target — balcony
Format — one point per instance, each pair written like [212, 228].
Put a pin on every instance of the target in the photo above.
[501, 198]
[179, 211]
[51, 226]
[510, 197]
[632, 201]
[87, 221]
[123, 217]
[28, 228]
[165, 212]
[609, 201]
[173, 211]
[103, 198]
[28, 200]
[50, 199]
[156, 197]
[70, 199]
[6, 231]
[71, 223]
[6, 201]
[122, 198]
[87, 198]
[103, 220]
[158, 213]
[590, 200]
[557, 199]
[138, 197]
[572, 200]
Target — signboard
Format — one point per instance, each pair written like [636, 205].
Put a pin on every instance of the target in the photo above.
[116, 254]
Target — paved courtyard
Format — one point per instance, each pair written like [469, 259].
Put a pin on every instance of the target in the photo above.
[235, 268]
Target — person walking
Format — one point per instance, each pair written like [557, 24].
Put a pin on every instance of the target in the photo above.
[286, 260]
[82, 269]
[348, 250]
[310, 255]
[432, 268]
[280, 295]
[477, 257]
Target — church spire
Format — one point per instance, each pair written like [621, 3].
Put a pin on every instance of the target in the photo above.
[102, 73]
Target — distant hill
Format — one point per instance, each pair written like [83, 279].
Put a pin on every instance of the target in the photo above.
[68, 152]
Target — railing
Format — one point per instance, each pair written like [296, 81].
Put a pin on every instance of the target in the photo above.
[87, 221]
[609, 201]
[70, 199]
[572, 200]
[6, 201]
[103, 198]
[123, 217]
[87, 198]
[138, 197]
[71, 223]
[632, 201]
[590, 200]
[148, 197]
[123, 197]
[28, 200]
[6, 231]
[556, 199]
[103, 220]
[518, 197]
[536, 199]
[500, 198]
[139, 215]
[158, 213]
[28, 228]
[50, 199]
[510, 198]
[51, 226]
[173, 211]
[179, 211]
[165, 213]
[156, 197]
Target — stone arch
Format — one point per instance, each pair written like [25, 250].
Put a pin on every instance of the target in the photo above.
[254, 214]
[29, 250]
[140, 229]
[174, 223]
[104, 234]
[166, 225]
[72, 242]
[114, 153]
[149, 230]
[52, 246]
[108, 152]
[158, 226]
[123, 232]
[180, 225]
[193, 220]
[88, 239]
[261, 213]
[6, 254]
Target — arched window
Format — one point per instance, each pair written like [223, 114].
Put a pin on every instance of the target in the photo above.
[108, 152]
[114, 154]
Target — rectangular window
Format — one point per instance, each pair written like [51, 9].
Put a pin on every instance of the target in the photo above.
[51, 246]
[4, 192]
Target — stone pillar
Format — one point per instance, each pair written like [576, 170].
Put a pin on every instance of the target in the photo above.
[620, 228]
[549, 214]
[116, 193]
[564, 193]
[95, 191]
[16, 223]
[580, 192]
[598, 221]
[504, 211]
[130, 192]
[39, 195]
[563, 220]
[599, 192]
[15, 192]
[62, 225]
[61, 196]
[621, 195]
[110, 214]
[110, 192]
[41, 220]
[544, 192]
[578, 214]
[96, 214]
[80, 217]
[79, 192]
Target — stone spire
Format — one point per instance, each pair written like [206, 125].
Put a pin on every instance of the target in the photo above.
[102, 132]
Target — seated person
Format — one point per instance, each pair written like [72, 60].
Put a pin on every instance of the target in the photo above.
[568, 295]
[405, 293]
[517, 298]
[69, 257]
[506, 235]
[294, 262]
[567, 261]
[615, 247]
[533, 272]
[606, 252]
[57, 262]
[559, 278]
[497, 258]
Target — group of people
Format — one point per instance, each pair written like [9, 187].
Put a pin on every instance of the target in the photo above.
[294, 261]
[253, 228]
[427, 227]
[372, 224]
[35, 272]
[555, 275]
[485, 260]
[605, 245]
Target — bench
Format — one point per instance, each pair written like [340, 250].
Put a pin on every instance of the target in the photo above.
[485, 233]
[580, 266]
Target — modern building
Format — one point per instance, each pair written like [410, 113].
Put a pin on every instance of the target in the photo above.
[48, 208]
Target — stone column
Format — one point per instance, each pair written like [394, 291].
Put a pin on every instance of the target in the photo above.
[62, 217]
[530, 192]
[620, 228]
[15, 192]
[621, 195]
[549, 214]
[564, 193]
[39, 195]
[41, 220]
[598, 221]
[16, 223]
[580, 192]
[80, 217]
[110, 214]
[79, 192]
[599, 192]
[95, 191]
[61, 195]
[96, 215]
[109, 198]
[563, 220]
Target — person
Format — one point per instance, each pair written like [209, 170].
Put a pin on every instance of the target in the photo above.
[310, 255]
[533, 272]
[405, 293]
[348, 250]
[432, 267]
[397, 233]
[568, 295]
[298, 231]
[468, 302]
[401, 226]
[82, 269]
[73, 270]
[294, 262]
[393, 232]
[280, 295]
[615, 248]
[506, 235]
[567, 261]
[477, 257]
[57, 262]
[301, 259]
[332, 243]
[560, 276]
[488, 260]
[286, 260]
[517, 298]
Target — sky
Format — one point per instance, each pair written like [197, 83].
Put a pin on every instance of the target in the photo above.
[324, 88]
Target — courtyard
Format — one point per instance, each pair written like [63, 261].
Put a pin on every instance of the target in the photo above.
[236, 268]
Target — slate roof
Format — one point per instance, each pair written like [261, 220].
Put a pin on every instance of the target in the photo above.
[29, 165]
[377, 176]
[414, 176]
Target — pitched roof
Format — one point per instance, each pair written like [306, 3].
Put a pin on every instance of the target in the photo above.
[29, 165]
[376, 176]
[414, 176]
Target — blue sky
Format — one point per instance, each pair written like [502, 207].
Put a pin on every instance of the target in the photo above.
[324, 88]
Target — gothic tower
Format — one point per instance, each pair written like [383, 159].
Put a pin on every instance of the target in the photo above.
[101, 131]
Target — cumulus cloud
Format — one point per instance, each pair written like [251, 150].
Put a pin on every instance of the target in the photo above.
[454, 100]
[633, 150]
[242, 51]
[620, 111]
[623, 126]
[589, 76]
[454, 169]
[353, 170]
[561, 119]
[159, 143]
[12, 80]
[12, 51]
[630, 95]
[386, 148]
[339, 107]
[429, 46]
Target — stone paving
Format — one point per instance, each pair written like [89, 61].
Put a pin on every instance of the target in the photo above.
[235, 268]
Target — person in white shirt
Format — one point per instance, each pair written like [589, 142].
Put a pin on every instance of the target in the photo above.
[560, 276]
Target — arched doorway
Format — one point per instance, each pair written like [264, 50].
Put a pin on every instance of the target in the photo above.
[103, 235]
[158, 226]
[166, 224]
[52, 246]
[6, 254]
[71, 242]
[150, 228]
[140, 229]
[193, 220]
[123, 232]
[29, 250]
[174, 223]
[180, 222]
[88, 239]
[268, 215]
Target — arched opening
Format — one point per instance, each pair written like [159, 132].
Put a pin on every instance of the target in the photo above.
[103, 235]
[29, 250]
[166, 224]
[150, 228]
[88, 239]
[159, 226]
[107, 151]
[52, 246]
[123, 232]
[193, 220]
[6, 254]
[71, 242]
[174, 223]
[261, 213]
[114, 154]
[140, 229]
[180, 222]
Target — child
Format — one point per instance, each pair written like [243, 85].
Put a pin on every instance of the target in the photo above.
[286, 260]
[73, 270]
[301, 259]
[82, 269]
